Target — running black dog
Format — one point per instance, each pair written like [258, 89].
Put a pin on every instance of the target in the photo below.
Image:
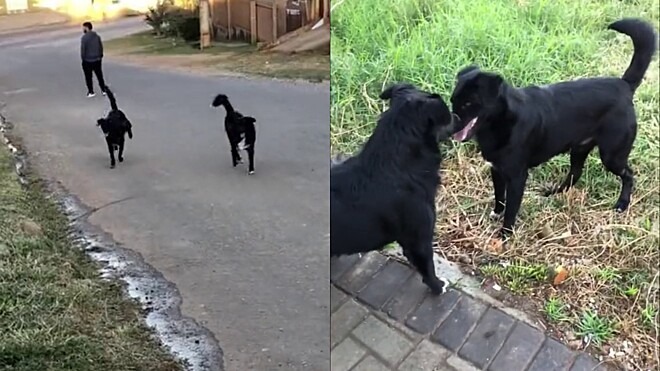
[520, 128]
[115, 126]
[241, 132]
[387, 192]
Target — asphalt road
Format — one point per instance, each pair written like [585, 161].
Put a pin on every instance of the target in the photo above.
[249, 254]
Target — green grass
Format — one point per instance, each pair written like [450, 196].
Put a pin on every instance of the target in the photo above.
[555, 310]
[55, 311]
[426, 42]
[595, 328]
[236, 57]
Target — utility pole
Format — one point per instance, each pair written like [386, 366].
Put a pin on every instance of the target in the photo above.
[204, 25]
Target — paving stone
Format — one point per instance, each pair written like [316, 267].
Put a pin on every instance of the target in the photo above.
[401, 327]
[406, 298]
[459, 364]
[361, 273]
[487, 337]
[432, 310]
[453, 331]
[386, 342]
[337, 298]
[426, 357]
[346, 355]
[385, 284]
[369, 363]
[585, 362]
[518, 349]
[552, 356]
[344, 320]
[340, 264]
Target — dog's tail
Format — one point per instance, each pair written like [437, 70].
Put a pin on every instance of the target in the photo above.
[111, 97]
[644, 40]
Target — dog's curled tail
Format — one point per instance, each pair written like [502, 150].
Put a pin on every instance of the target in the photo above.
[111, 97]
[644, 40]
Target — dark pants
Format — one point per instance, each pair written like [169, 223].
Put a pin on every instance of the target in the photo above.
[95, 67]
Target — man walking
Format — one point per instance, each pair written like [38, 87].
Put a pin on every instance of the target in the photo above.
[91, 52]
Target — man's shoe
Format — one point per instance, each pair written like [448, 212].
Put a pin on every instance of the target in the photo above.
[91, 95]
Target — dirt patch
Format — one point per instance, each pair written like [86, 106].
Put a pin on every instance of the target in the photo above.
[222, 58]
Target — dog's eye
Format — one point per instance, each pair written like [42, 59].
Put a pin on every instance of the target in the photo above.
[467, 105]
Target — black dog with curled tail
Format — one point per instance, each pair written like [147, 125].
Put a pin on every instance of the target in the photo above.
[115, 126]
[241, 132]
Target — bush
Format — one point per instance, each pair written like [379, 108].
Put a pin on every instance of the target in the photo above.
[156, 17]
[182, 23]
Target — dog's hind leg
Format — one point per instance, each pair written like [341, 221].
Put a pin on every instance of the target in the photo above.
[617, 164]
[578, 157]
[614, 149]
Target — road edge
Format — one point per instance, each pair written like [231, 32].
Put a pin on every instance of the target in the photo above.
[181, 336]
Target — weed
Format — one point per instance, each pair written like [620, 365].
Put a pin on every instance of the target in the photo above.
[594, 328]
[649, 316]
[555, 310]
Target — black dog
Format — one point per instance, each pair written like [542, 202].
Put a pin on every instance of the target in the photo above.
[240, 130]
[115, 126]
[518, 129]
[387, 192]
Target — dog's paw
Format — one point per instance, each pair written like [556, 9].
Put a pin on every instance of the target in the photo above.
[494, 215]
[121, 159]
[621, 206]
[505, 233]
[437, 286]
[112, 166]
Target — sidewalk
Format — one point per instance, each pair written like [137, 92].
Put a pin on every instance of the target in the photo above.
[383, 318]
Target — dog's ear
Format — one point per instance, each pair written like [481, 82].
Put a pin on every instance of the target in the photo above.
[392, 91]
[473, 69]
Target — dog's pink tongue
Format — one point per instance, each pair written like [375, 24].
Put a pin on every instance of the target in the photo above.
[461, 135]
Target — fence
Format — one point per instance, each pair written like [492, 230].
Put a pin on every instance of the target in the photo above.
[263, 20]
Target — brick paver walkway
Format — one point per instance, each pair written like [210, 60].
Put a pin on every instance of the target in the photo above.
[384, 318]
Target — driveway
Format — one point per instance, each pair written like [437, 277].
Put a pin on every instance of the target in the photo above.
[249, 254]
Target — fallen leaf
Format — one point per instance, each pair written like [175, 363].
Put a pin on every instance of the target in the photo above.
[560, 276]
[495, 246]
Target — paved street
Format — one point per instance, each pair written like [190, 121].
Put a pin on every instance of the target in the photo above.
[249, 254]
[384, 319]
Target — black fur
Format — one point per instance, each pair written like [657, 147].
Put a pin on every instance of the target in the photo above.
[115, 126]
[387, 192]
[520, 128]
[239, 129]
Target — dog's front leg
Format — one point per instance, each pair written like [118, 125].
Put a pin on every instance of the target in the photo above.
[515, 188]
[250, 151]
[120, 155]
[111, 150]
[499, 185]
[235, 156]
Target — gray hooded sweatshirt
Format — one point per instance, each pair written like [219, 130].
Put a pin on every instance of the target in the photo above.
[91, 47]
